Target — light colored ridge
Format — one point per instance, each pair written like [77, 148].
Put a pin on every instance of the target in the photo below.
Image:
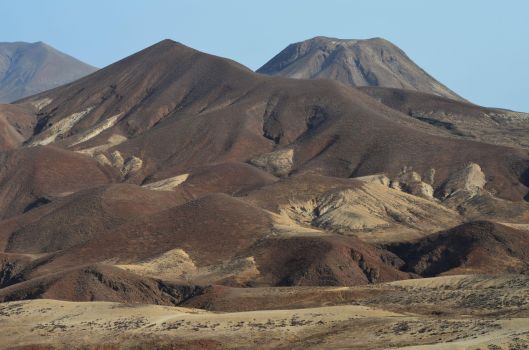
[167, 184]
[97, 129]
[112, 141]
[40, 104]
[60, 128]
[176, 264]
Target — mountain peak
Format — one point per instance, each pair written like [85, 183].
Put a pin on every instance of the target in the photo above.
[355, 62]
[167, 42]
[29, 68]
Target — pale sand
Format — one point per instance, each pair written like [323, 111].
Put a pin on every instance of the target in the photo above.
[53, 322]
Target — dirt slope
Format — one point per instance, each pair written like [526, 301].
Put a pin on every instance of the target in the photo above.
[461, 119]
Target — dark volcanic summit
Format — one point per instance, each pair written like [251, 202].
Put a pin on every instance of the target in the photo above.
[29, 68]
[371, 62]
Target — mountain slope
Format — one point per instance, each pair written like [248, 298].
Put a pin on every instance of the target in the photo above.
[371, 62]
[16, 125]
[474, 247]
[461, 119]
[33, 176]
[30, 68]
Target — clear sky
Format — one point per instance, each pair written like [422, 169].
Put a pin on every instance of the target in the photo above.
[479, 48]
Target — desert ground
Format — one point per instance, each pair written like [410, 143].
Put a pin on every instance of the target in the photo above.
[455, 312]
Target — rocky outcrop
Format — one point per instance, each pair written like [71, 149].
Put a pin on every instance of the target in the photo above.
[127, 167]
[464, 183]
[57, 130]
[167, 184]
[470, 180]
[421, 189]
[408, 181]
[132, 166]
[279, 163]
[412, 182]
[369, 207]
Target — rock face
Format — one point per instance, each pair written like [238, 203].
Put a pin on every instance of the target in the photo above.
[421, 189]
[470, 179]
[464, 183]
[29, 68]
[371, 62]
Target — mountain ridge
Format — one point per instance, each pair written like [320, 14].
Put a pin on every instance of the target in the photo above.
[171, 94]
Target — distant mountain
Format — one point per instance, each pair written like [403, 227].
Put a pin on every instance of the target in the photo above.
[29, 68]
[371, 62]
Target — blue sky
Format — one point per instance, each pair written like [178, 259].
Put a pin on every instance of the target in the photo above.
[479, 48]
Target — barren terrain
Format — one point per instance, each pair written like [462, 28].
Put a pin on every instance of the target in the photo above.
[178, 200]
[459, 312]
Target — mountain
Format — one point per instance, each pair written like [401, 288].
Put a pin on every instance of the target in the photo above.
[170, 108]
[239, 174]
[370, 62]
[231, 165]
[178, 178]
[29, 68]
